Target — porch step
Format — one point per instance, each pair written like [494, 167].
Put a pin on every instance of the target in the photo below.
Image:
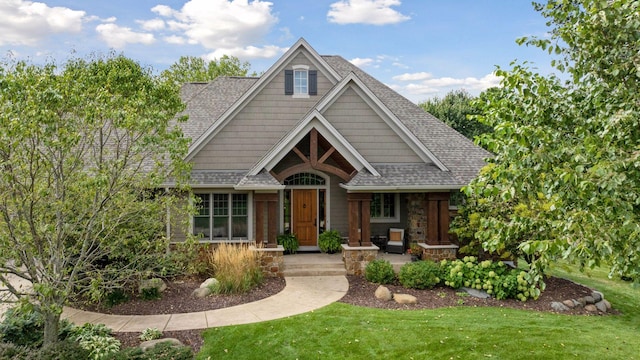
[325, 269]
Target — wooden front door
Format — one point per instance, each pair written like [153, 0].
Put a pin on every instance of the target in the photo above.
[305, 216]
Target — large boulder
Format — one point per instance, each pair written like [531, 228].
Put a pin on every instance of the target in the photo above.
[209, 282]
[383, 293]
[146, 345]
[405, 299]
[152, 283]
[201, 292]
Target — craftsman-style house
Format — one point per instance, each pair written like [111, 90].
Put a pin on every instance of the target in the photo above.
[313, 144]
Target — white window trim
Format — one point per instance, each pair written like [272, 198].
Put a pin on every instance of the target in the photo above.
[230, 199]
[394, 219]
[300, 95]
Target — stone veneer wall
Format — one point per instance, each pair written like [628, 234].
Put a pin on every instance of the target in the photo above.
[416, 218]
[438, 252]
[356, 258]
[272, 261]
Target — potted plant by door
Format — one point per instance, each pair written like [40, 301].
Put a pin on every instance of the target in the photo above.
[416, 252]
[289, 242]
[330, 241]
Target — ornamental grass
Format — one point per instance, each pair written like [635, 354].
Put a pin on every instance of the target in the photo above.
[236, 267]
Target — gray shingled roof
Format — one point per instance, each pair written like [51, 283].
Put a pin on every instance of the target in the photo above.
[463, 158]
[263, 180]
[403, 176]
[206, 102]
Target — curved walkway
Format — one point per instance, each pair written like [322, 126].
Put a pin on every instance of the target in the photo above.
[300, 295]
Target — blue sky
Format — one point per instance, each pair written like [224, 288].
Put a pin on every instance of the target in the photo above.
[421, 48]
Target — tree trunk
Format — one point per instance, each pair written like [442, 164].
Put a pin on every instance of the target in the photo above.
[51, 325]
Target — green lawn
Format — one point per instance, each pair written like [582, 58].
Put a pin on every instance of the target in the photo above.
[342, 331]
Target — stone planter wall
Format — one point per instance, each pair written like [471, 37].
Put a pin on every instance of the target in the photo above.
[272, 261]
[438, 252]
[356, 258]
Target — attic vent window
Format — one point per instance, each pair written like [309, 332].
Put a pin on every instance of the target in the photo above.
[301, 82]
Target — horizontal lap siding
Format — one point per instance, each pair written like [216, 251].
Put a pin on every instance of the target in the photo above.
[259, 125]
[367, 132]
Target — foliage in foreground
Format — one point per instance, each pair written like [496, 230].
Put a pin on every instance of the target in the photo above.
[81, 146]
[379, 271]
[564, 179]
[236, 267]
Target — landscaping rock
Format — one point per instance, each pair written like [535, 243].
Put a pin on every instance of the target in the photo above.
[589, 300]
[383, 293]
[597, 296]
[480, 294]
[558, 306]
[577, 303]
[201, 292]
[146, 345]
[152, 283]
[582, 302]
[405, 299]
[600, 305]
[591, 308]
[569, 303]
[606, 304]
[209, 282]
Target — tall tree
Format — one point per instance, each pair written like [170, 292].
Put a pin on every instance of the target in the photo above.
[196, 69]
[567, 164]
[455, 109]
[82, 149]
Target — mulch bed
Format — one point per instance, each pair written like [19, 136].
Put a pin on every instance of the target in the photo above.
[177, 299]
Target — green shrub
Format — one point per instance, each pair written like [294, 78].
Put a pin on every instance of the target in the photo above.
[66, 349]
[150, 334]
[379, 271]
[22, 326]
[236, 267]
[12, 351]
[330, 241]
[168, 351]
[151, 293]
[494, 277]
[96, 339]
[420, 275]
[289, 242]
[116, 297]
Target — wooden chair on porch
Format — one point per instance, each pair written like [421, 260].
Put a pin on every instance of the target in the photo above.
[396, 243]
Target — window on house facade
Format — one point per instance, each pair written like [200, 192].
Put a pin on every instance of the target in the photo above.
[222, 216]
[300, 81]
[385, 207]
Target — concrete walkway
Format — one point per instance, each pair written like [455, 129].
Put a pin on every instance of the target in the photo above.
[300, 295]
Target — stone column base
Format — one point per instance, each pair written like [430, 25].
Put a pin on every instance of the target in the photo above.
[438, 252]
[271, 261]
[356, 258]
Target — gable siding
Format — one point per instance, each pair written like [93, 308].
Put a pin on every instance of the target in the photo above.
[259, 125]
[367, 132]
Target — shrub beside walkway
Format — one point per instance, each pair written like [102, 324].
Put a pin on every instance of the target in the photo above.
[300, 295]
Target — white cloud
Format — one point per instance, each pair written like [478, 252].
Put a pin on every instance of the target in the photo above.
[413, 76]
[374, 12]
[422, 84]
[151, 25]
[174, 39]
[118, 37]
[26, 22]
[359, 62]
[220, 24]
[248, 52]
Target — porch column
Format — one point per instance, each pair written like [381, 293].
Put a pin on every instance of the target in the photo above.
[359, 219]
[437, 206]
[266, 206]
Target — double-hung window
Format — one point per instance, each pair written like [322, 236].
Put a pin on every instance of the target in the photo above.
[385, 207]
[300, 82]
[222, 216]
